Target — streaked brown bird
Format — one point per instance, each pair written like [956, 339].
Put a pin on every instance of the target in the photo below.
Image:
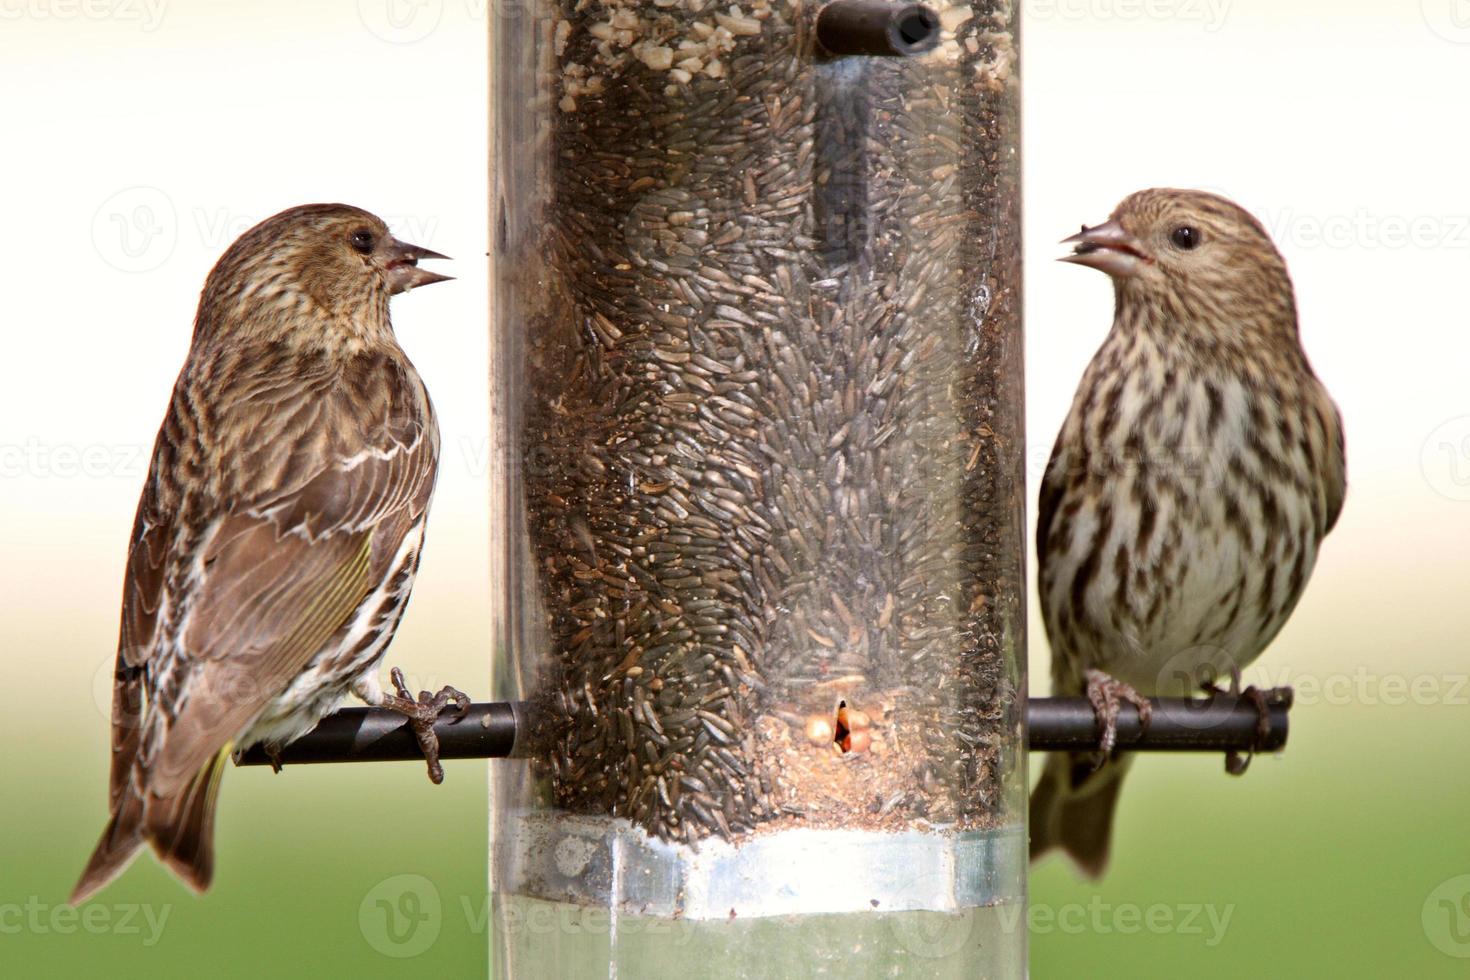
[1192, 483]
[279, 529]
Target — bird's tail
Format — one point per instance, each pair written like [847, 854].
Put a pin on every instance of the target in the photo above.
[1072, 808]
[180, 828]
[120, 841]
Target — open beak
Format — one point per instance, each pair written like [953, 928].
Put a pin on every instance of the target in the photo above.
[1109, 248]
[402, 269]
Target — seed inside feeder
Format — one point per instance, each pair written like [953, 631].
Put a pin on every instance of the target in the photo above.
[770, 420]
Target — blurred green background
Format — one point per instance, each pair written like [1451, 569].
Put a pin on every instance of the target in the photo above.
[145, 143]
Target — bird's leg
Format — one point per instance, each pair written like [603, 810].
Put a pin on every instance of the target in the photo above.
[272, 752]
[1234, 764]
[1107, 695]
[421, 715]
[368, 689]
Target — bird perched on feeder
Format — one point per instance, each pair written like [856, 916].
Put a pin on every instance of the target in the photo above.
[279, 528]
[1191, 485]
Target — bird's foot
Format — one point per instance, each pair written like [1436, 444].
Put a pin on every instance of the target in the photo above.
[272, 752]
[422, 713]
[1235, 763]
[1107, 695]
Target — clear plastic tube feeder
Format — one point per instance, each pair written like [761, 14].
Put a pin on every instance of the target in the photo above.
[758, 475]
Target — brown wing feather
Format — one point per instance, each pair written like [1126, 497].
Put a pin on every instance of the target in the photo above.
[148, 549]
[1047, 501]
[269, 605]
[324, 484]
[1336, 467]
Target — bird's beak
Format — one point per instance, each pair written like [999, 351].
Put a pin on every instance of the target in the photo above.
[1109, 248]
[402, 268]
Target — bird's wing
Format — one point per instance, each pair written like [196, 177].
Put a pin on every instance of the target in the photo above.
[1336, 467]
[339, 480]
[267, 603]
[1065, 673]
[143, 590]
[1048, 499]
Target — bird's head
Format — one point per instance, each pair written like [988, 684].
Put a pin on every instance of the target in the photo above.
[1196, 253]
[326, 259]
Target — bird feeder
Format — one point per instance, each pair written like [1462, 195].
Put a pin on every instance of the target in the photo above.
[757, 501]
[756, 485]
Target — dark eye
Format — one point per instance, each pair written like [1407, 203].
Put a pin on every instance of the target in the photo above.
[362, 240]
[1185, 236]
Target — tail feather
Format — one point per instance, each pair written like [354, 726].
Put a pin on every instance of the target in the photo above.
[1072, 809]
[180, 828]
[120, 842]
[182, 832]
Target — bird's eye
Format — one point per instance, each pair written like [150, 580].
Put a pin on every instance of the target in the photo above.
[362, 240]
[1185, 236]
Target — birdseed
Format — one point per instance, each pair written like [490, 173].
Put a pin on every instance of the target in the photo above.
[763, 316]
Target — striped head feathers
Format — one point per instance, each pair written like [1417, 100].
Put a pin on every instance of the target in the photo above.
[1193, 262]
[313, 275]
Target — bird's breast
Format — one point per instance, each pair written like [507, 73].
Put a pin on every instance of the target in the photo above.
[1184, 532]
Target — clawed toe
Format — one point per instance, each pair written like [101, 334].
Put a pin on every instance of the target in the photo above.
[1235, 763]
[422, 713]
[1107, 695]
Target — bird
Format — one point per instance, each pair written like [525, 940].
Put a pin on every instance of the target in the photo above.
[278, 532]
[1188, 493]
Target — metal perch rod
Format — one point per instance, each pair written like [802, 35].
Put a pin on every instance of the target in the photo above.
[488, 731]
[1223, 724]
